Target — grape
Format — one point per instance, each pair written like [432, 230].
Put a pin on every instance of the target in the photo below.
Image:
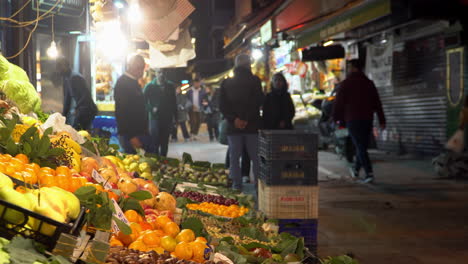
[200, 197]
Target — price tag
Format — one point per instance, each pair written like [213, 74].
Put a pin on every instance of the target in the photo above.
[120, 215]
[98, 177]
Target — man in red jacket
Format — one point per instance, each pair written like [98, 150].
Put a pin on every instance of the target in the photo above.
[356, 102]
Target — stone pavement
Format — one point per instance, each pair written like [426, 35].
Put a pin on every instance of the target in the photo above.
[407, 217]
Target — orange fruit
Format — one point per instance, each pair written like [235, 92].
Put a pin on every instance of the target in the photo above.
[162, 220]
[35, 167]
[23, 158]
[112, 195]
[115, 242]
[185, 235]
[17, 164]
[6, 157]
[21, 189]
[18, 175]
[63, 170]
[138, 245]
[46, 180]
[62, 181]
[171, 229]
[201, 239]
[9, 169]
[159, 232]
[133, 216]
[168, 243]
[136, 230]
[151, 239]
[184, 250]
[2, 167]
[48, 170]
[198, 249]
[125, 239]
[146, 226]
[29, 177]
[157, 249]
[75, 184]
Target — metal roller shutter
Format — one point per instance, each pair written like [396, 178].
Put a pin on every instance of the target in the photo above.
[415, 105]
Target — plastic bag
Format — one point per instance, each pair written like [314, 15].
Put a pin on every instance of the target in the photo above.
[57, 122]
[456, 142]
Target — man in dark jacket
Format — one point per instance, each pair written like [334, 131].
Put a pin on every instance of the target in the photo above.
[130, 111]
[162, 107]
[240, 100]
[356, 102]
[78, 105]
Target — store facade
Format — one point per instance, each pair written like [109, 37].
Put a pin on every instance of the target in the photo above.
[406, 56]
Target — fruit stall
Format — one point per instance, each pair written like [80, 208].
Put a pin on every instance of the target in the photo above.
[69, 197]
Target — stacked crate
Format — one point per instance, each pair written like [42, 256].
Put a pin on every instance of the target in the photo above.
[287, 188]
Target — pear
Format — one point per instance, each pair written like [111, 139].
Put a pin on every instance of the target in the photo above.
[72, 203]
[54, 199]
[5, 181]
[16, 198]
[44, 209]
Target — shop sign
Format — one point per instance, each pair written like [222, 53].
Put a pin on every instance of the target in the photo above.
[346, 21]
[266, 32]
[379, 62]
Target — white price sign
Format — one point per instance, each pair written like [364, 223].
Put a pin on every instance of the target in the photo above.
[120, 215]
[98, 177]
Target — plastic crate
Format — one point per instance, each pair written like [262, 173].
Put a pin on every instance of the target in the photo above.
[288, 202]
[9, 229]
[287, 145]
[306, 228]
[108, 124]
[288, 172]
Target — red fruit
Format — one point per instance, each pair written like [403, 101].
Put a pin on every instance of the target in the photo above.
[261, 252]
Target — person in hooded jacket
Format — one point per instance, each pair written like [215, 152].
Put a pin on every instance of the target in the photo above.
[241, 98]
[278, 109]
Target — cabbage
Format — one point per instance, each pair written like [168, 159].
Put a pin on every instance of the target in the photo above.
[4, 66]
[22, 93]
[14, 83]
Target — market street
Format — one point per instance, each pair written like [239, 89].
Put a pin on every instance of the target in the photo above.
[407, 216]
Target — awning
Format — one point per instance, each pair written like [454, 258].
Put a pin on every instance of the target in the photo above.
[253, 25]
[344, 20]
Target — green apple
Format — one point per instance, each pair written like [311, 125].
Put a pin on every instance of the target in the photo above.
[16, 198]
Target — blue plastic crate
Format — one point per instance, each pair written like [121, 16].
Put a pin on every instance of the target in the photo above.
[108, 124]
[306, 228]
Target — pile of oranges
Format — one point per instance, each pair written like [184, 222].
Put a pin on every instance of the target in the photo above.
[161, 235]
[231, 211]
[20, 168]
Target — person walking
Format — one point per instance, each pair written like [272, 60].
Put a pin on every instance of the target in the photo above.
[78, 105]
[130, 111]
[241, 98]
[356, 102]
[195, 96]
[161, 104]
[183, 104]
[211, 112]
[278, 109]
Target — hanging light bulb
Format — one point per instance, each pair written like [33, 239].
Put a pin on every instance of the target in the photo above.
[52, 51]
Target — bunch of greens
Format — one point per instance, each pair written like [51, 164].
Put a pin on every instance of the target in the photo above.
[25, 251]
[37, 148]
[100, 208]
[101, 147]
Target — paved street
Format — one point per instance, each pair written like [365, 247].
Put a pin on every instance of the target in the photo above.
[407, 217]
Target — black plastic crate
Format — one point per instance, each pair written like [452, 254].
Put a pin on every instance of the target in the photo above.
[9, 229]
[287, 145]
[288, 172]
[306, 228]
